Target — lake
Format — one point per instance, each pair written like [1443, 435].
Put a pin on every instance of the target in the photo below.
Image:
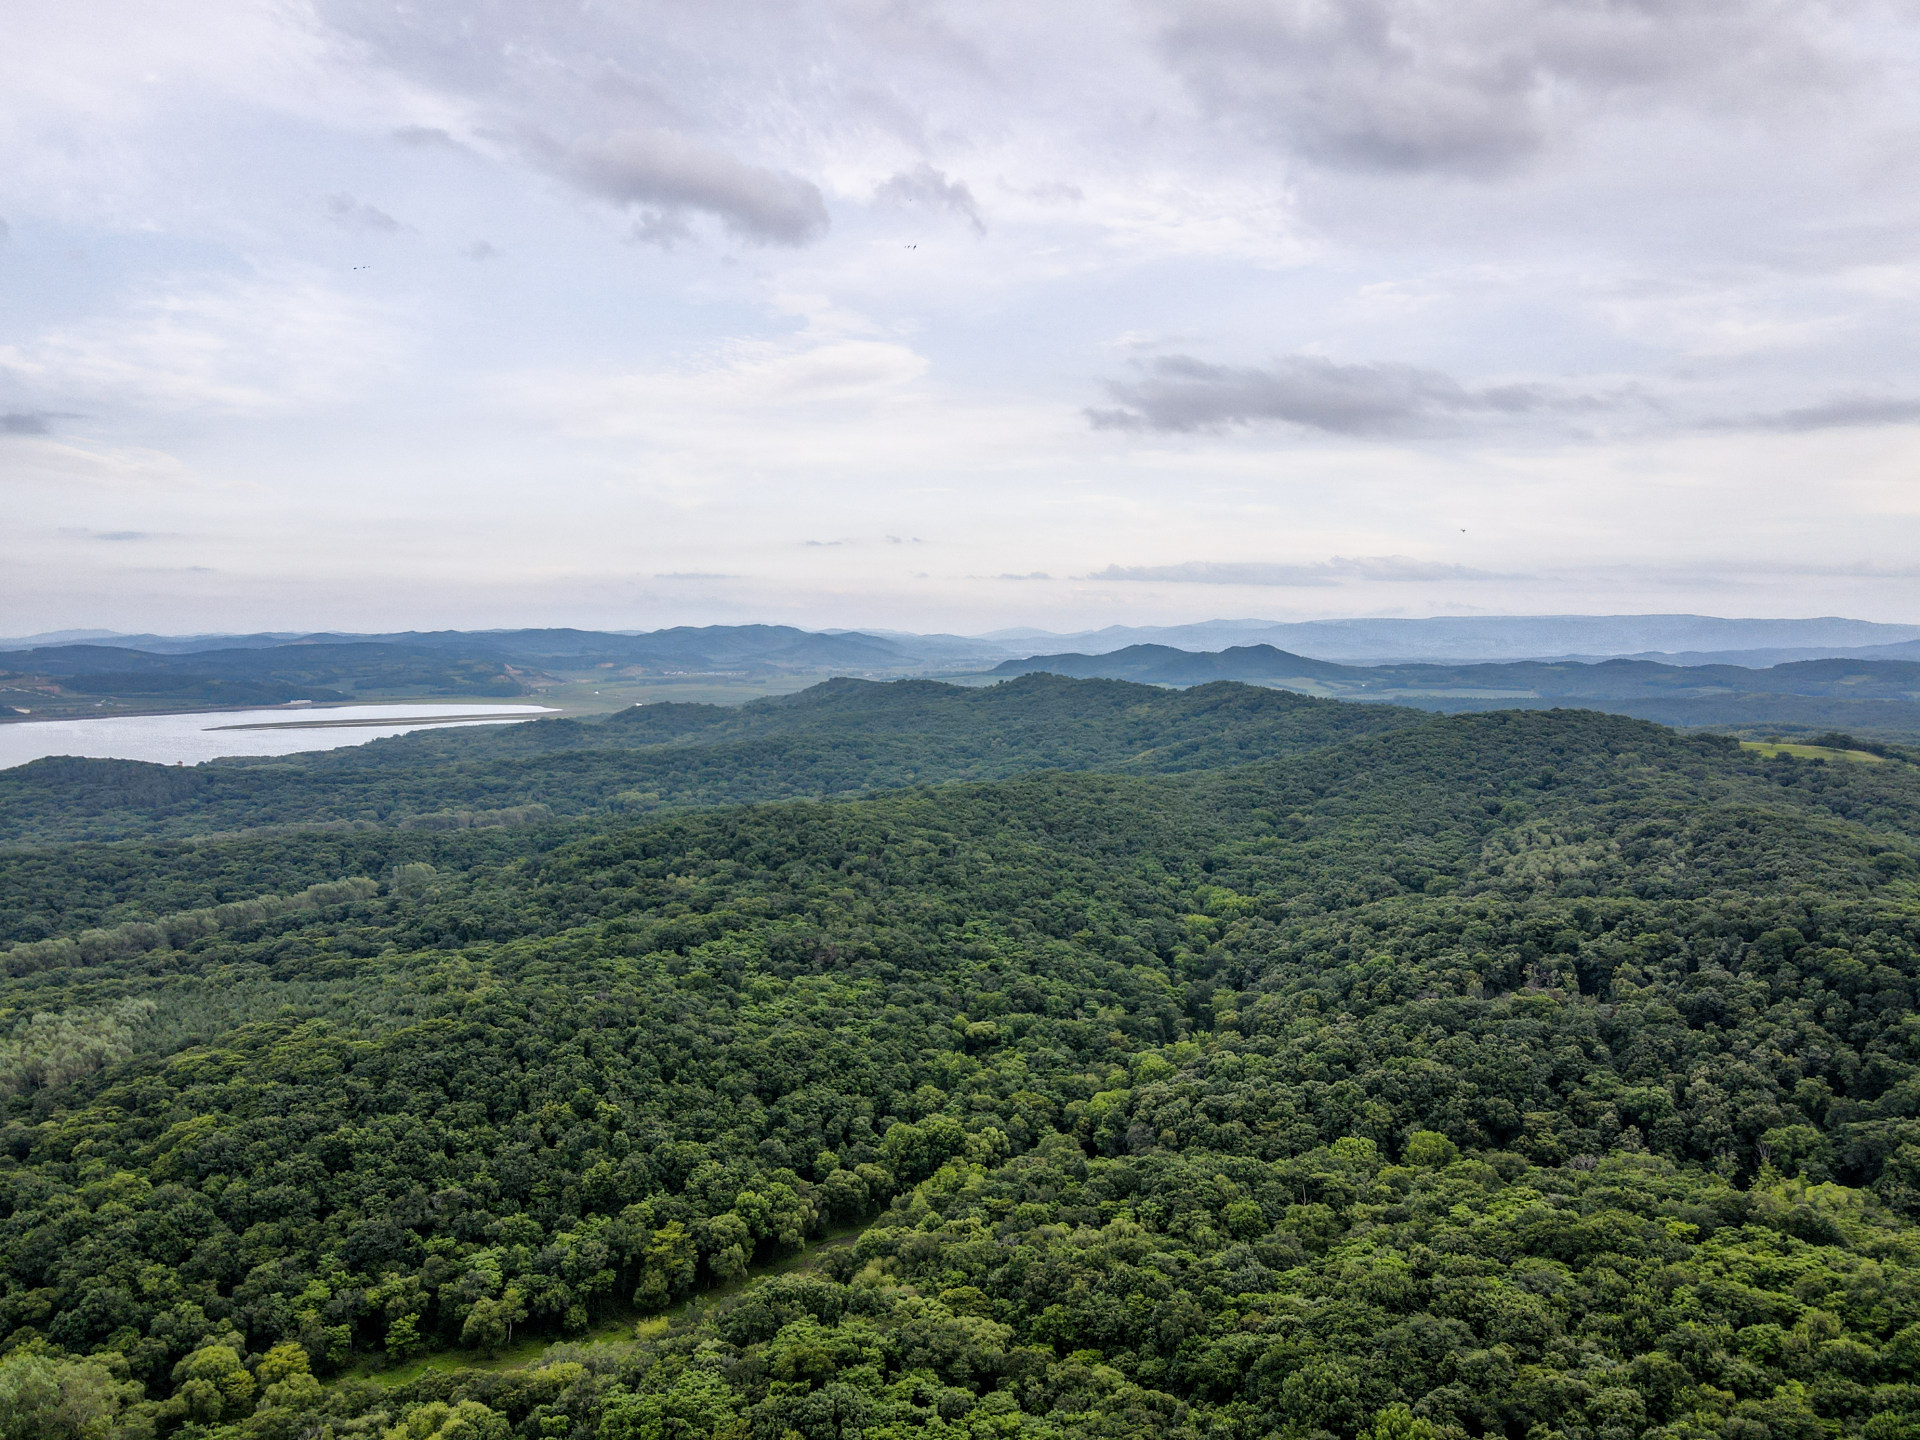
[209, 735]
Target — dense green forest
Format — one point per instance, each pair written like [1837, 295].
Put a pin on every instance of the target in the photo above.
[840, 737]
[1227, 1065]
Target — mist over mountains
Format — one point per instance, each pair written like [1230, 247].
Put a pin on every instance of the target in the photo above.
[1793, 675]
[1694, 639]
[1691, 639]
[708, 647]
[1876, 697]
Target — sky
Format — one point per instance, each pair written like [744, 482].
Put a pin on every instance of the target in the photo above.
[341, 314]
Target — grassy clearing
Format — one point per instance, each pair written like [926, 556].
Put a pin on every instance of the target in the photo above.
[621, 1328]
[592, 694]
[1768, 749]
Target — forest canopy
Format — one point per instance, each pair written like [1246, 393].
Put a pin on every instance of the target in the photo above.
[1322, 1071]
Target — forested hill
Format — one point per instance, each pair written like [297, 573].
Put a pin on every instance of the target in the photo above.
[839, 737]
[1871, 696]
[153, 672]
[1542, 1075]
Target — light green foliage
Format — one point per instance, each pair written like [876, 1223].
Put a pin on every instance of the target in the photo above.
[53, 1049]
[697, 1406]
[1397, 1422]
[212, 1384]
[489, 1325]
[669, 1267]
[1770, 749]
[1244, 1219]
[46, 1398]
[403, 1338]
[464, 1420]
[1430, 1149]
[286, 1381]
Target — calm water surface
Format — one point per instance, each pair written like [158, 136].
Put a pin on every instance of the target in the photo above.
[189, 739]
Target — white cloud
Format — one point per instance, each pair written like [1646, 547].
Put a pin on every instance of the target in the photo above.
[745, 388]
[74, 467]
[242, 348]
[1518, 287]
[1341, 569]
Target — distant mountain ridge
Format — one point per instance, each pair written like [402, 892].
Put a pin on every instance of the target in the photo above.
[201, 672]
[78, 679]
[1877, 695]
[704, 646]
[1458, 639]
[1170, 665]
[1674, 639]
[1263, 664]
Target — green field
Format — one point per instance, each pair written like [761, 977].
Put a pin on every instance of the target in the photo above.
[1771, 748]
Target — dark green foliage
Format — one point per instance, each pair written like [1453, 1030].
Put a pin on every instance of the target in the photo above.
[1541, 1075]
[841, 737]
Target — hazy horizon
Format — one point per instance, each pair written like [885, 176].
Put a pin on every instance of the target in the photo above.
[337, 315]
[1643, 632]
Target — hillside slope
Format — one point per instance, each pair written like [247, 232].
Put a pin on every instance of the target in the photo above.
[1526, 1073]
[839, 737]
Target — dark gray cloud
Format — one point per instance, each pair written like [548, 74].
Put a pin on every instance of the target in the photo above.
[1476, 85]
[925, 186]
[665, 175]
[1336, 571]
[346, 211]
[665, 96]
[123, 535]
[480, 250]
[660, 227]
[1180, 393]
[1842, 412]
[31, 422]
[426, 137]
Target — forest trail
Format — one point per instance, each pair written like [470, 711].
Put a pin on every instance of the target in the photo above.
[618, 1331]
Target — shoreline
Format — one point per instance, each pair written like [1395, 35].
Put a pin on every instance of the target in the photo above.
[315, 708]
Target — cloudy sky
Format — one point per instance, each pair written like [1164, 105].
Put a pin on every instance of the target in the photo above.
[954, 316]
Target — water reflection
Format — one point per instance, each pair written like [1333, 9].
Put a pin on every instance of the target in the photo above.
[190, 739]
